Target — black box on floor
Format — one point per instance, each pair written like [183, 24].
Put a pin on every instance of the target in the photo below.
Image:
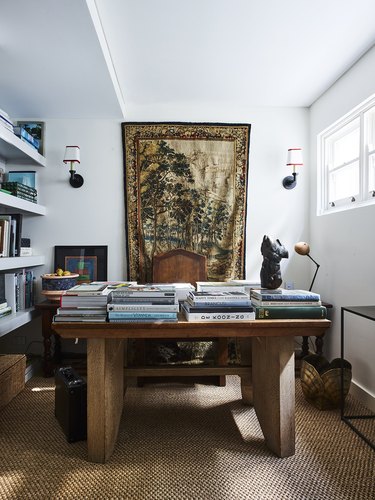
[71, 403]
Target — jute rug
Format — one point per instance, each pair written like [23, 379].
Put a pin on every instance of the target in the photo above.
[182, 442]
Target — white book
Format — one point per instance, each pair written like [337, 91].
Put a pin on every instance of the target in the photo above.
[219, 316]
[10, 281]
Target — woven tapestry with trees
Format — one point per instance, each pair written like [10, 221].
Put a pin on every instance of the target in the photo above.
[185, 187]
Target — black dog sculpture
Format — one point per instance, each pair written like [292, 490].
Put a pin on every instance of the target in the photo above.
[273, 252]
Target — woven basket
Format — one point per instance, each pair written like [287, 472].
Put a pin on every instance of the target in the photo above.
[321, 381]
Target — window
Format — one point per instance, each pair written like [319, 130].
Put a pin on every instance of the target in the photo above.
[347, 161]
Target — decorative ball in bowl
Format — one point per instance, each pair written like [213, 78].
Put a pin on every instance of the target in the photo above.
[54, 282]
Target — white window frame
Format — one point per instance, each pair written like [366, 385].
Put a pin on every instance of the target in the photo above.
[364, 197]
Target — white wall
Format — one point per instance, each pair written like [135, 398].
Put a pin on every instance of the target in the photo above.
[343, 243]
[94, 214]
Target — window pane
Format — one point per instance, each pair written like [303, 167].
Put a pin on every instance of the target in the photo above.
[371, 176]
[344, 182]
[345, 145]
[370, 129]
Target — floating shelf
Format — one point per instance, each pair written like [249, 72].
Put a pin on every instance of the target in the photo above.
[12, 202]
[9, 263]
[15, 320]
[12, 149]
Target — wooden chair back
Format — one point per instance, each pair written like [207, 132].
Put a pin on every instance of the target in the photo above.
[179, 266]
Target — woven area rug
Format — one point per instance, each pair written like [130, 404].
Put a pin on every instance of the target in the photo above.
[182, 442]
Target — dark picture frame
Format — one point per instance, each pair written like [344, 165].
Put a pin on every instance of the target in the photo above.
[90, 262]
[36, 129]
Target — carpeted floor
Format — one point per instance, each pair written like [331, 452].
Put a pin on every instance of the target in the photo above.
[182, 442]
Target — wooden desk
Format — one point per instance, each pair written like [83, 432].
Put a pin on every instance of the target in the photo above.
[272, 372]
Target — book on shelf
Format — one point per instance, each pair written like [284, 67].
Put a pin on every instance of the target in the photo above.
[144, 291]
[5, 121]
[290, 312]
[113, 285]
[10, 234]
[141, 315]
[294, 303]
[281, 294]
[80, 319]
[83, 300]
[219, 286]
[143, 300]
[199, 308]
[218, 316]
[222, 296]
[19, 289]
[88, 289]
[135, 306]
[219, 303]
[4, 311]
[143, 320]
[182, 289]
[81, 311]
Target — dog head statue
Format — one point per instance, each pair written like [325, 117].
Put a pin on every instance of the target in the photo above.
[273, 252]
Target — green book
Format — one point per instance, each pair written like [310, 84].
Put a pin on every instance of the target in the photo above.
[290, 312]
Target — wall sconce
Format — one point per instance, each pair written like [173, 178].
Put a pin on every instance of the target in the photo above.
[294, 159]
[303, 248]
[72, 156]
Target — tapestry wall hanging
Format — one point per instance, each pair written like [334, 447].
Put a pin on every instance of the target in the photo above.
[186, 187]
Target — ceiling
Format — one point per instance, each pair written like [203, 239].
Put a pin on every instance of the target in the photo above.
[98, 58]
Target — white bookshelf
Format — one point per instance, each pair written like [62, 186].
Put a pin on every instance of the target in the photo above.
[13, 151]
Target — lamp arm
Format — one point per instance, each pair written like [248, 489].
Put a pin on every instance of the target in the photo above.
[316, 271]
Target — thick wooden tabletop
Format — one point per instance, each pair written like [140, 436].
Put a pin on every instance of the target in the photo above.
[186, 329]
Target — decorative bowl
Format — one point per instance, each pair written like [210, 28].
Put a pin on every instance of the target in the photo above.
[53, 283]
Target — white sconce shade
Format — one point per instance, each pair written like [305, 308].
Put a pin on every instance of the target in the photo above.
[294, 157]
[72, 154]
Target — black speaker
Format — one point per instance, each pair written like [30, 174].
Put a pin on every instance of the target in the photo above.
[71, 403]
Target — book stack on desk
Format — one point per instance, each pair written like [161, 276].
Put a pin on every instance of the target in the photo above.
[287, 304]
[143, 304]
[218, 306]
[84, 303]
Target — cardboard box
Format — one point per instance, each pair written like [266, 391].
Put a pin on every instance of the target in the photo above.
[12, 376]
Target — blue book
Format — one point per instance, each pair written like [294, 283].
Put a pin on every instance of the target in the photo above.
[281, 294]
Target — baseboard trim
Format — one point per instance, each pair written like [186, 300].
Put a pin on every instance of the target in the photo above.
[363, 396]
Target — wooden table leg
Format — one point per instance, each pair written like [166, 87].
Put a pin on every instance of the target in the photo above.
[274, 392]
[105, 394]
[246, 380]
[47, 332]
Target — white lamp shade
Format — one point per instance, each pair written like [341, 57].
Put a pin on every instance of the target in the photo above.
[294, 157]
[72, 154]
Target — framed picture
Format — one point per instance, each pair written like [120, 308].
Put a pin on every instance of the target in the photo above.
[90, 262]
[28, 178]
[36, 129]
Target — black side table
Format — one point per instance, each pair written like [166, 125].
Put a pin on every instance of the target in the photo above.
[367, 312]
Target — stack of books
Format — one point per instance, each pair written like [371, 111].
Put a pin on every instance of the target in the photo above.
[143, 304]
[5, 121]
[287, 304]
[218, 306]
[83, 303]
